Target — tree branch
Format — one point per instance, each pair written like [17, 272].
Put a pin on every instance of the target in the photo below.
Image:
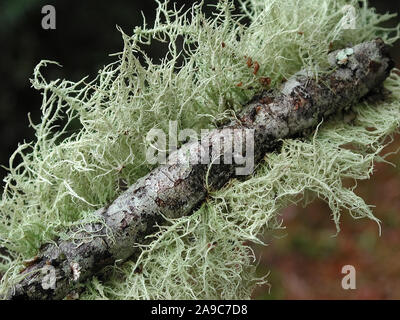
[178, 187]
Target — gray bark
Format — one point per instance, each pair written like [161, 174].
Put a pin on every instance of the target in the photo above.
[178, 188]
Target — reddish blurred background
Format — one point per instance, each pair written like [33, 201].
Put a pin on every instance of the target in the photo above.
[305, 260]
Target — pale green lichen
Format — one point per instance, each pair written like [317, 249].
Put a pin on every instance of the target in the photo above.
[64, 176]
[343, 55]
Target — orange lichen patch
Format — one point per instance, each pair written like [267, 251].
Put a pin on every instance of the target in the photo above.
[256, 67]
[249, 62]
[265, 81]
[299, 103]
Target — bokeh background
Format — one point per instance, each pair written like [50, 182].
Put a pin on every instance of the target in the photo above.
[304, 260]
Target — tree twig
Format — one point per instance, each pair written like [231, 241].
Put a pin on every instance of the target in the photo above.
[177, 188]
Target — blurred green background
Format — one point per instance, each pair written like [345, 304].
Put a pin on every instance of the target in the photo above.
[305, 260]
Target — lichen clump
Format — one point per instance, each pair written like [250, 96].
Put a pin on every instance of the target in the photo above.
[64, 176]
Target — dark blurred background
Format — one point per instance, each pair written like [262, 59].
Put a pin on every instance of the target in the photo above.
[305, 260]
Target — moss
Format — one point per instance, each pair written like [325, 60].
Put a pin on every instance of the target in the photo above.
[61, 181]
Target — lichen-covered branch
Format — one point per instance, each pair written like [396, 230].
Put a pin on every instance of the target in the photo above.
[179, 187]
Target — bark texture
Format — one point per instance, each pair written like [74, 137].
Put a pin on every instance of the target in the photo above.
[180, 186]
